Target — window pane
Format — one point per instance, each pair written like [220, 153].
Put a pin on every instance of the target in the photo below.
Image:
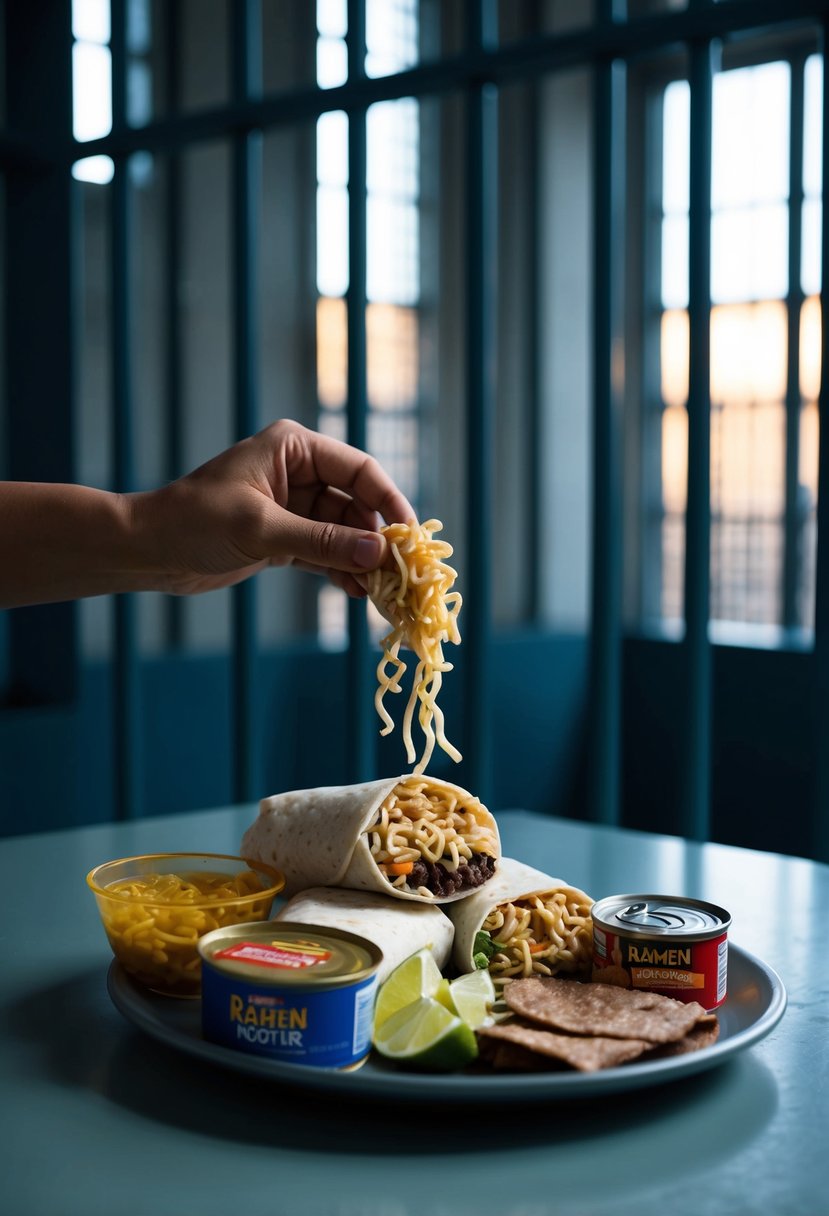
[750, 152]
[332, 352]
[674, 357]
[391, 36]
[332, 241]
[393, 269]
[747, 460]
[332, 63]
[332, 18]
[749, 254]
[332, 148]
[392, 137]
[813, 125]
[808, 456]
[91, 90]
[810, 337]
[746, 571]
[748, 353]
[675, 262]
[90, 20]
[676, 160]
[675, 459]
[811, 247]
[392, 350]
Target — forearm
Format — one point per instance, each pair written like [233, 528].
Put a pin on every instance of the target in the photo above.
[62, 542]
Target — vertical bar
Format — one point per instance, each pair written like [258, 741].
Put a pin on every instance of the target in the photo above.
[481, 285]
[39, 346]
[126, 673]
[173, 376]
[608, 243]
[696, 738]
[820, 817]
[245, 18]
[361, 750]
[792, 562]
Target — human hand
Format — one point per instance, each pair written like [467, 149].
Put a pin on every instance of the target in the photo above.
[285, 496]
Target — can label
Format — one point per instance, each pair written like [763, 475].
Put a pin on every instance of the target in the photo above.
[283, 955]
[327, 1027]
[686, 970]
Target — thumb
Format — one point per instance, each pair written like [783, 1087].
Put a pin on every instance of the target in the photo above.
[327, 545]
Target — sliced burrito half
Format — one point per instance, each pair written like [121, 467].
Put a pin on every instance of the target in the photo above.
[523, 923]
[398, 928]
[407, 837]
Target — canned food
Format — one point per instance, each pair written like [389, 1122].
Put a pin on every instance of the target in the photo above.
[662, 943]
[292, 992]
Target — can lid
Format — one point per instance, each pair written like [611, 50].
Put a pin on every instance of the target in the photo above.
[661, 915]
[294, 955]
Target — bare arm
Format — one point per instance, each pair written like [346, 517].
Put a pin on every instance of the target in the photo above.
[285, 496]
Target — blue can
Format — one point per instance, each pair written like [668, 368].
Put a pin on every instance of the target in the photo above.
[295, 993]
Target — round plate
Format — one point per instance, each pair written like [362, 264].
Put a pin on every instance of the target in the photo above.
[755, 1004]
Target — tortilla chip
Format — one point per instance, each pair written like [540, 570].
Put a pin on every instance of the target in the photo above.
[602, 1009]
[584, 1053]
[704, 1034]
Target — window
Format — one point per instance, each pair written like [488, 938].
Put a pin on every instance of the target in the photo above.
[764, 282]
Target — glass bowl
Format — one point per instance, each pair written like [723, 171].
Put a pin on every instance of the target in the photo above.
[154, 909]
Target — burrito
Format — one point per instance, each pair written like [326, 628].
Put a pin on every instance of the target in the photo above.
[408, 837]
[399, 929]
[523, 923]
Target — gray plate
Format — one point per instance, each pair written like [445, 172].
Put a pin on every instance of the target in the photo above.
[755, 1004]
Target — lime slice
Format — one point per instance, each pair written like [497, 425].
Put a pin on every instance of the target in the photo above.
[473, 996]
[426, 1035]
[417, 976]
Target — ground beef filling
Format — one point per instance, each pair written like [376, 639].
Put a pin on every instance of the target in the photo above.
[442, 882]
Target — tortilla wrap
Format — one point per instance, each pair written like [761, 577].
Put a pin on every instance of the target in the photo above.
[515, 880]
[398, 928]
[318, 837]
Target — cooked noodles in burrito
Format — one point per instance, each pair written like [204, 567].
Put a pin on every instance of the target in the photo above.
[524, 923]
[409, 837]
[398, 928]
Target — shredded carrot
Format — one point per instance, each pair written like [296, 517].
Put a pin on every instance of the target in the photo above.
[399, 867]
[537, 947]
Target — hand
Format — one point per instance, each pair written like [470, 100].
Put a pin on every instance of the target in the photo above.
[286, 496]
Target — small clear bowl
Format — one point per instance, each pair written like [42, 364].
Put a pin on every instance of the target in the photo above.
[154, 909]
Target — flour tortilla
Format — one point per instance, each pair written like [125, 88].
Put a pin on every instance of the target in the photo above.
[316, 837]
[513, 880]
[398, 928]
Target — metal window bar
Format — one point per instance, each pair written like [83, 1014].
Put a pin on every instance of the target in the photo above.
[696, 739]
[245, 24]
[481, 264]
[606, 616]
[820, 817]
[126, 716]
[793, 564]
[361, 704]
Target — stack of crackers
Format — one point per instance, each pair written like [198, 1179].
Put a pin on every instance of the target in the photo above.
[559, 1023]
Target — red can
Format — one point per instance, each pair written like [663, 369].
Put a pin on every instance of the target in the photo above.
[662, 943]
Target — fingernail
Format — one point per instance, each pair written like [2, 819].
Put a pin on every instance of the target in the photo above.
[368, 551]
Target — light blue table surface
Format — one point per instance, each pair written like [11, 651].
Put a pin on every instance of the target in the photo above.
[98, 1118]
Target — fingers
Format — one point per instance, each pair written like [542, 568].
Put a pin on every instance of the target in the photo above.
[322, 543]
[348, 469]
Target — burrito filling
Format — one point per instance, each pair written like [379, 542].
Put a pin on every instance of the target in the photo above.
[430, 840]
[536, 935]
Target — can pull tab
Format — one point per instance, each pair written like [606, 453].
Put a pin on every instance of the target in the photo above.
[644, 914]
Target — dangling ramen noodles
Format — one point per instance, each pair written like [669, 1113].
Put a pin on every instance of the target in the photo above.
[415, 596]
[413, 838]
[524, 923]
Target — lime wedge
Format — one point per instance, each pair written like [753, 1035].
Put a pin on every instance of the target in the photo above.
[417, 976]
[426, 1035]
[473, 996]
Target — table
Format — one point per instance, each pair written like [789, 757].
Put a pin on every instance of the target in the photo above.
[98, 1118]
